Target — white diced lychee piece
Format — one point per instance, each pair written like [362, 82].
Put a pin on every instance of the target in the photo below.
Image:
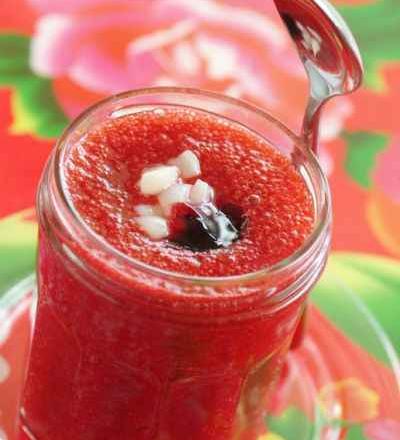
[148, 210]
[156, 179]
[154, 226]
[201, 192]
[188, 164]
[176, 193]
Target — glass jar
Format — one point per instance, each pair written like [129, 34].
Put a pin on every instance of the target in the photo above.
[123, 350]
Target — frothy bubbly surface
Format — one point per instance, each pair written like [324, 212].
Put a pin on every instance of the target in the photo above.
[103, 170]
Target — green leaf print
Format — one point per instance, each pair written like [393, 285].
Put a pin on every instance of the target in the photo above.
[367, 284]
[292, 424]
[17, 248]
[376, 27]
[362, 148]
[355, 433]
[33, 99]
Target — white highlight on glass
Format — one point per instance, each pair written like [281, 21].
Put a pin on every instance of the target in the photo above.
[3, 435]
[5, 370]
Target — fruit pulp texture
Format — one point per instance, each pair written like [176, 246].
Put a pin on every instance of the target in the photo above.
[154, 363]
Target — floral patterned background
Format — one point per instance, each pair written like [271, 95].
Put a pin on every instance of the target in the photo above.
[58, 56]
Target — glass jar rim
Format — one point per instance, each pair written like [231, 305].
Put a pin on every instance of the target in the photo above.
[318, 229]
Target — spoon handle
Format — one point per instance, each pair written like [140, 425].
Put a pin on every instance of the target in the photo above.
[311, 121]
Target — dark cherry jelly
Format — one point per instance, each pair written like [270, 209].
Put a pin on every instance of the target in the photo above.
[205, 227]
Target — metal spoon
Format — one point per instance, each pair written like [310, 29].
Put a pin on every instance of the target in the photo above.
[329, 53]
[334, 67]
[333, 64]
[217, 224]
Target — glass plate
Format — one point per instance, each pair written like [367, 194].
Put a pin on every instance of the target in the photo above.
[330, 387]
